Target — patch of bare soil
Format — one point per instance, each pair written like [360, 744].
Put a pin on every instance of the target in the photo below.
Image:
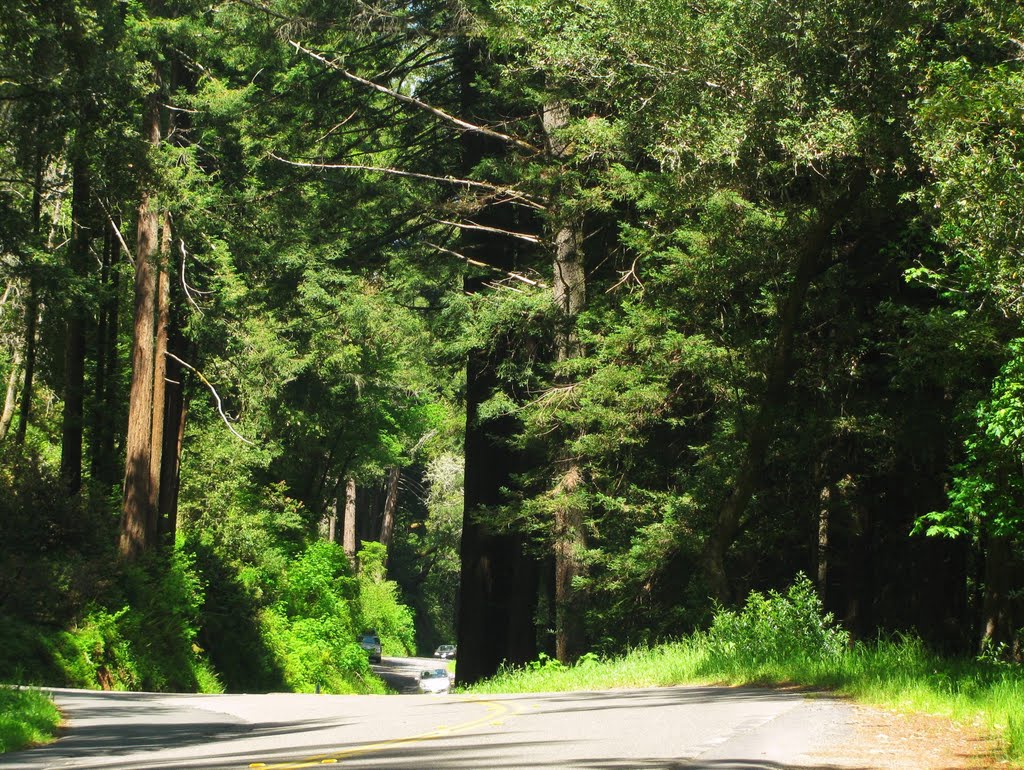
[885, 740]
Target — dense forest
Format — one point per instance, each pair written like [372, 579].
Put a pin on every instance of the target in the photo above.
[538, 326]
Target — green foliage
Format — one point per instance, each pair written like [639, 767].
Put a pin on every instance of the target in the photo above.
[142, 637]
[382, 609]
[27, 717]
[776, 628]
[987, 493]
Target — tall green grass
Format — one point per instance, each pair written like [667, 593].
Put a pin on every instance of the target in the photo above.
[787, 640]
[26, 717]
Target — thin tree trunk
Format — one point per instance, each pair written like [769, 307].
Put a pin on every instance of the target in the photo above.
[175, 420]
[138, 481]
[387, 525]
[337, 513]
[11, 396]
[1000, 619]
[31, 306]
[824, 514]
[104, 398]
[31, 333]
[75, 339]
[349, 523]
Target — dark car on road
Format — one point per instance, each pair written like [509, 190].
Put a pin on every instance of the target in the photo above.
[445, 652]
[371, 643]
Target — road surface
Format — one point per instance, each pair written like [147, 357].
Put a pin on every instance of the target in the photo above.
[674, 727]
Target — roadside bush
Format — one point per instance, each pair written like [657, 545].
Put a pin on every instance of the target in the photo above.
[26, 717]
[312, 627]
[381, 607]
[774, 628]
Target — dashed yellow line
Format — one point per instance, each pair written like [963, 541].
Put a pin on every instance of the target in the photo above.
[495, 710]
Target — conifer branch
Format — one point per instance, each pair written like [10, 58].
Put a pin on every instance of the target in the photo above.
[458, 122]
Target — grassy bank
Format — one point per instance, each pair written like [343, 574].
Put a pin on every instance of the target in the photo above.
[898, 674]
[26, 717]
[785, 640]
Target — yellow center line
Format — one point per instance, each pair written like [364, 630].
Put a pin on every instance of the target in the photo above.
[495, 710]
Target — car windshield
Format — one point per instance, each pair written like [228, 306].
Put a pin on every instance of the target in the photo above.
[437, 673]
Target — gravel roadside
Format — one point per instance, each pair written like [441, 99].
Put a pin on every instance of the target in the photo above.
[880, 739]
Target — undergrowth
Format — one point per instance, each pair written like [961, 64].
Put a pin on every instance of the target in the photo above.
[26, 717]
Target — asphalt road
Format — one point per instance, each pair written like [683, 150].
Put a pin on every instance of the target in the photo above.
[676, 727]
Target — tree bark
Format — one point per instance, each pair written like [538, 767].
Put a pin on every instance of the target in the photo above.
[569, 296]
[1001, 612]
[499, 578]
[11, 395]
[139, 491]
[337, 513]
[349, 524]
[159, 398]
[11, 392]
[387, 525]
[105, 402]
[821, 551]
[31, 335]
[175, 420]
[75, 338]
[31, 306]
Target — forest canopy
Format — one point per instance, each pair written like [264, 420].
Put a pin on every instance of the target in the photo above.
[535, 326]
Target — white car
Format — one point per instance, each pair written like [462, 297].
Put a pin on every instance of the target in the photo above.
[435, 680]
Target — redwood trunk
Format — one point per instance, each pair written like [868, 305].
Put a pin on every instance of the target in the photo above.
[499, 578]
[139, 484]
[162, 321]
[569, 297]
[31, 332]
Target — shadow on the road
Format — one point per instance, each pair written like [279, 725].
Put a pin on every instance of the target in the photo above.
[445, 754]
[130, 730]
[442, 753]
[570, 702]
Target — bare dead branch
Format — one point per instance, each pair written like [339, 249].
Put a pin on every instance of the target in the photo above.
[213, 390]
[484, 228]
[471, 183]
[458, 122]
[184, 284]
[626, 276]
[478, 263]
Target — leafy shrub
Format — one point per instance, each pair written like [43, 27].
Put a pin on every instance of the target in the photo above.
[311, 628]
[26, 717]
[95, 653]
[776, 628]
[381, 607]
